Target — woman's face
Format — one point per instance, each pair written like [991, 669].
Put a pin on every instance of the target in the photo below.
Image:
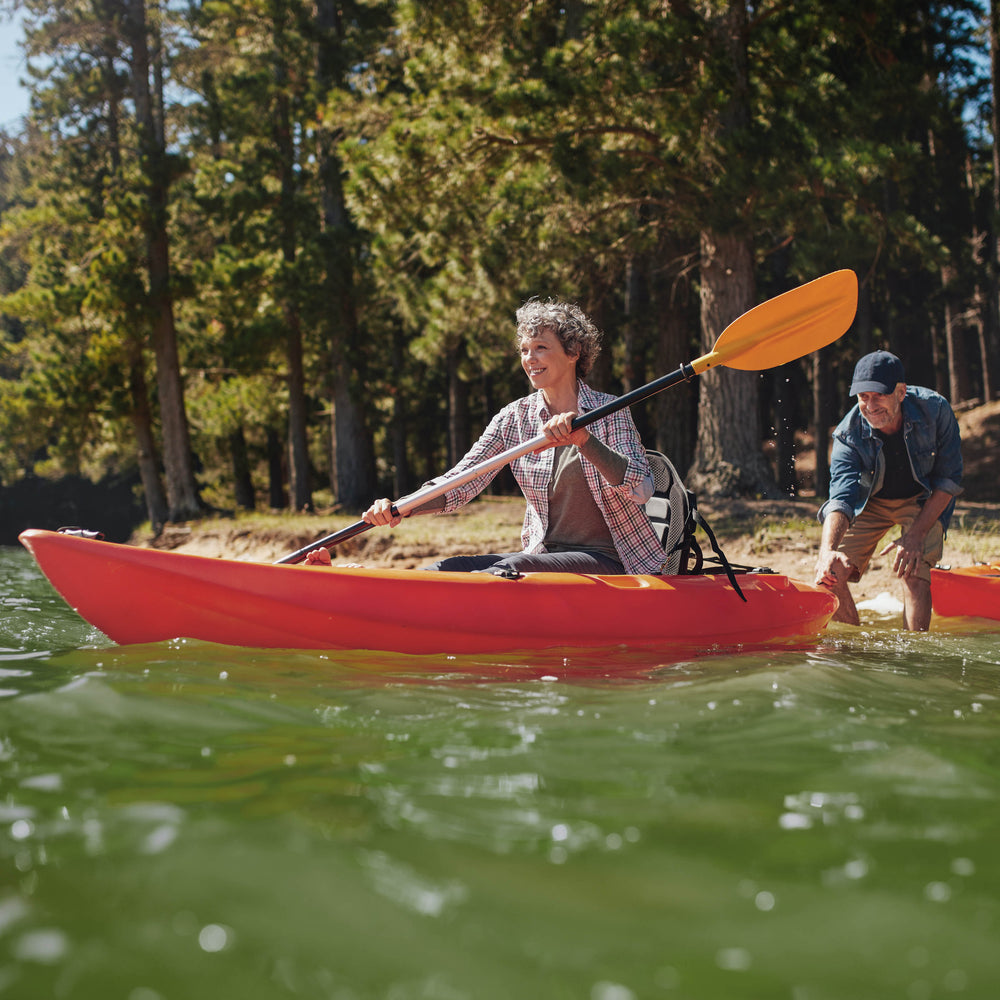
[546, 362]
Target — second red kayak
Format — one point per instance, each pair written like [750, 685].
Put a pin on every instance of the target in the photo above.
[969, 591]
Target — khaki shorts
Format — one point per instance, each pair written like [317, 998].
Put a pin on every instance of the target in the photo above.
[876, 520]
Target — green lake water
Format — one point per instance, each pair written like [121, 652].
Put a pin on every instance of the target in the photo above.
[181, 821]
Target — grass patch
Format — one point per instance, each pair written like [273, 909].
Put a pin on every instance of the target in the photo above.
[972, 539]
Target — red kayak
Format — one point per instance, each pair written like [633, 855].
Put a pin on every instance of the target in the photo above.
[969, 591]
[145, 595]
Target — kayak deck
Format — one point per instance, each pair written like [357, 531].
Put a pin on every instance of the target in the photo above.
[136, 595]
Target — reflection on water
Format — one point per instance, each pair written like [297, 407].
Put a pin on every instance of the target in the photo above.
[189, 821]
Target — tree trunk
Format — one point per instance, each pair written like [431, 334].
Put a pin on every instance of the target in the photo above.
[958, 372]
[353, 462]
[636, 309]
[277, 498]
[157, 508]
[784, 428]
[728, 458]
[182, 491]
[822, 419]
[978, 312]
[354, 483]
[863, 319]
[985, 362]
[141, 410]
[995, 145]
[673, 410]
[242, 480]
[298, 442]
[402, 477]
[459, 436]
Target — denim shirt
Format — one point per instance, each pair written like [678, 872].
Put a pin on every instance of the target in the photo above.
[933, 444]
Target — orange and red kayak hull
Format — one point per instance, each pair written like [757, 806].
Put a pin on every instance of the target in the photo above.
[136, 595]
[969, 591]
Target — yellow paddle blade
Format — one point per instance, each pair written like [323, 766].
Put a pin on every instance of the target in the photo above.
[788, 326]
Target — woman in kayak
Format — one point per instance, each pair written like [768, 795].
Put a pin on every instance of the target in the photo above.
[585, 489]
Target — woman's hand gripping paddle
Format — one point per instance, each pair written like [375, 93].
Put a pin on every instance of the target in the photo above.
[780, 330]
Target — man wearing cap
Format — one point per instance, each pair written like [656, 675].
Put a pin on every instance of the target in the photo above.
[896, 460]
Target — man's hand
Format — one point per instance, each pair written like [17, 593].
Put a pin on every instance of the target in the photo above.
[909, 551]
[833, 569]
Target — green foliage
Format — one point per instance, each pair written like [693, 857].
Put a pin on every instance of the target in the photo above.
[488, 152]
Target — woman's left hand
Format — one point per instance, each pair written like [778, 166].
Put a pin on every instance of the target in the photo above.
[559, 430]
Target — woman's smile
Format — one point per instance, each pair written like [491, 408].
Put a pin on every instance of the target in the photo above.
[546, 362]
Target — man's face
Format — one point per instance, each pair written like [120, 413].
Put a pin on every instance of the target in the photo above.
[884, 411]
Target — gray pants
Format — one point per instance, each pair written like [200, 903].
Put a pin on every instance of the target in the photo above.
[525, 562]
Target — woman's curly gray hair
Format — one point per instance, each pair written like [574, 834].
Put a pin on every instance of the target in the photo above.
[575, 330]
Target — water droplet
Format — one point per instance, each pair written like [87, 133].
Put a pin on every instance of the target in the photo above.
[955, 980]
[733, 959]
[45, 946]
[21, 829]
[213, 937]
[963, 866]
[764, 901]
[794, 821]
[857, 868]
[610, 991]
[937, 892]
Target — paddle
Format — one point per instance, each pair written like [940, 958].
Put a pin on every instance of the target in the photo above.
[777, 331]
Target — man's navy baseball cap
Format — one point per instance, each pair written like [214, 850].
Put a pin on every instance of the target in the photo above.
[877, 372]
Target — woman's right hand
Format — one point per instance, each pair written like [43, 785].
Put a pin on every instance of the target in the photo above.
[319, 557]
[380, 514]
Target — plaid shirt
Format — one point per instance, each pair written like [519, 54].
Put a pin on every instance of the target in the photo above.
[621, 505]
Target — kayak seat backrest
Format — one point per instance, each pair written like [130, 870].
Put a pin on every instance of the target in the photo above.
[669, 510]
[673, 512]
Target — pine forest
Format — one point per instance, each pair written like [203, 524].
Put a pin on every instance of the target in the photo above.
[267, 253]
